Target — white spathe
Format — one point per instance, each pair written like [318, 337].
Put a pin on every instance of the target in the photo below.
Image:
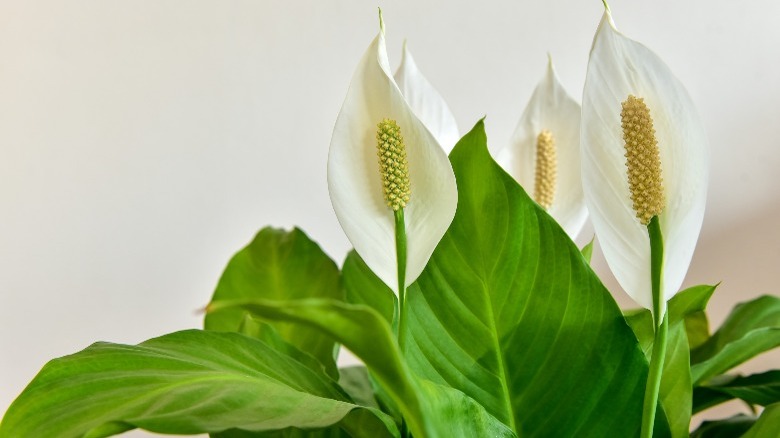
[426, 103]
[619, 66]
[551, 109]
[355, 184]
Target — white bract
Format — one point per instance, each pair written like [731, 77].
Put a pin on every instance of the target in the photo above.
[354, 179]
[426, 103]
[619, 67]
[550, 109]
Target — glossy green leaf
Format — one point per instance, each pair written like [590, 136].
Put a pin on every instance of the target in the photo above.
[676, 388]
[697, 327]
[587, 250]
[364, 287]
[767, 425]
[429, 410]
[281, 265]
[757, 389]
[183, 383]
[751, 329]
[509, 312]
[731, 427]
[356, 382]
[676, 385]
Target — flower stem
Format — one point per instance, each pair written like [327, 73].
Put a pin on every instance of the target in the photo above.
[400, 253]
[660, 325]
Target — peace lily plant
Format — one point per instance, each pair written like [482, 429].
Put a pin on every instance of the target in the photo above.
[474, 313]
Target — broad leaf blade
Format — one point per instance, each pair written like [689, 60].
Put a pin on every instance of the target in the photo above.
[357, 384]
[767, 425]
[183, 383]
[364, 287]
[430, 410]
[757, 389]
[676, 386]
[280, 265]
[752, 328]
[731, 427]
[509, 312]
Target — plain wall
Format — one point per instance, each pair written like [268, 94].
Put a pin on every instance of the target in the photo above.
[143, 142]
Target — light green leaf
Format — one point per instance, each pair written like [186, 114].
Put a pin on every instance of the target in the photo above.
[429, 410]
[364, 287]
[767, 425]
[751, 328]
[688, 302]
[736, 352]
[697, 326]
[587, 251]
[183, 383]
[281, 265]
[509, 312]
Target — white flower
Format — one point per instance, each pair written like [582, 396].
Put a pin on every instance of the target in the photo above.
[354, 179]
[550, 124]
[426, 103]
[619, 68]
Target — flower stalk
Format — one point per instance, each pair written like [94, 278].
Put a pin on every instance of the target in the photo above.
[400, 251]
[653, 386]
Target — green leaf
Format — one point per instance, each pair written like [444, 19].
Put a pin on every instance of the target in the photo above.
[281, 265]
[364, 287]
[429, 410]
[731, 427]
[757, 389]
[509, 312]
[697, 326]
[751, 328]
[676, 386]
[356, 382]
[183, 383]
[587, 250]
[767, 425]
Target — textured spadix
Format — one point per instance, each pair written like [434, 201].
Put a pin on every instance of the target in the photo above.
[618, 68]
[355, 182]
[426, 103]
[550, 109]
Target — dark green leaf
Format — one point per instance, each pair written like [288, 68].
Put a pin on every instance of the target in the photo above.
[281, 265]
[509, 312]
[732, 427]
[429, 410]
[757, 389]
[182, 383]
[356, 382]
[751, 328]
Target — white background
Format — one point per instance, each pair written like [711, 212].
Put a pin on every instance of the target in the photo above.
[143, 142]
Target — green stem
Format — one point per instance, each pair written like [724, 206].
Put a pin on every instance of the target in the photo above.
[400, 253]
[660, 325]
